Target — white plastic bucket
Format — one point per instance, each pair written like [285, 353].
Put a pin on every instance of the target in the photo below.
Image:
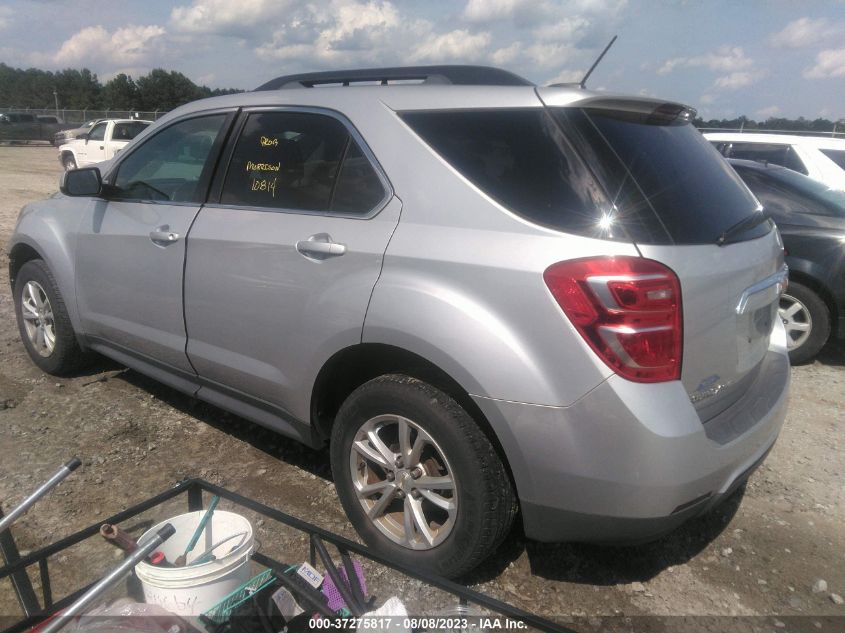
[192, 590]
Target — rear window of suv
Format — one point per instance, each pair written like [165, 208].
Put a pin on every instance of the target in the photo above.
[603, 174]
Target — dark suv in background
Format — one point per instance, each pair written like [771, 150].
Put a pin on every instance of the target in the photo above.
[811, 219]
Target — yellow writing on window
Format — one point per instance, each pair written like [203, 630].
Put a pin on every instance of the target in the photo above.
[264, 184]
[266, 141]
[250, 166]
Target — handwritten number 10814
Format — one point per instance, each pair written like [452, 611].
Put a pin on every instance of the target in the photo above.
[264, 184]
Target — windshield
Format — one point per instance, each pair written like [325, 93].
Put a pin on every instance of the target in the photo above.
[666, 182]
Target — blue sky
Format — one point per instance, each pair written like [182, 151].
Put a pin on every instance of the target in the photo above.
[775, 58]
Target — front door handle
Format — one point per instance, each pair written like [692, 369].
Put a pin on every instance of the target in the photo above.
[320, 246]
[162, 235]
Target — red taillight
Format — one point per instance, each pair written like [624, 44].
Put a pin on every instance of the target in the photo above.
[628, 309]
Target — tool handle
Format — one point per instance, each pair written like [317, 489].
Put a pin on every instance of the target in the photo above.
[342, 587]
[117, 574]
[306, 593]
[42, 490]
[205, 518]
[117, 537]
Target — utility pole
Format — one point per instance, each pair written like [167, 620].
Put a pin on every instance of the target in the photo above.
[56, 98]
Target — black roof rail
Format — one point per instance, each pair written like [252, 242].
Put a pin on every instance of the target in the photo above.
[454, 75]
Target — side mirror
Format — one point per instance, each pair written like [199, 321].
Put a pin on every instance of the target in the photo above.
[86, 181]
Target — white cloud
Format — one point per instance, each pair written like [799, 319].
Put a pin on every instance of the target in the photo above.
[568, 29]
[507, 54]
[488, 10]
[567, 76]
[453, 46]
[805, 32]
[723, 59]
[537, 13]
[225, 17]
[347, 31]
[707, 99]
[829, 63]
[94, 45]
[5, 17]
[769, 112]
[550, 55]
[733, 81]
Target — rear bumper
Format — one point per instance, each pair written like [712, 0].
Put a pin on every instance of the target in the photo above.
[548, 524]
[630, 462]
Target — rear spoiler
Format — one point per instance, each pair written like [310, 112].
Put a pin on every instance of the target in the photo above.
[648, 106]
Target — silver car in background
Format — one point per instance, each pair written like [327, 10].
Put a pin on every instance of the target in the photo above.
[493, 299]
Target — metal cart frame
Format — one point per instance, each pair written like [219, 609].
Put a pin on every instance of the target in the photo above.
[34, 612]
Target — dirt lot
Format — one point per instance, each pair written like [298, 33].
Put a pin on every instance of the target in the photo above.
[759, 556]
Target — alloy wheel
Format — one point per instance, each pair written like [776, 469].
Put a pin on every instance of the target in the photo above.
[38, 320]
[404, 482]
[797, 321]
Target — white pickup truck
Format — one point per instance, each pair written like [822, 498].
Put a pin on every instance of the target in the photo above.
[105, 139]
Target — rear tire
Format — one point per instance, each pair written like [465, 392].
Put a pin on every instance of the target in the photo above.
[438, 499]
[43, 321]
[807, 321]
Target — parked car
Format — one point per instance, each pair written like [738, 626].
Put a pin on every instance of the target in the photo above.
[102, 142]
[64, 136]
[486, 296]
[820, 158]
[811, 219]
[25, 126]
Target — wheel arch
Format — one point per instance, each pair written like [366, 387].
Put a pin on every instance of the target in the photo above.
[805, 278]
[353, 366]
[20, 254]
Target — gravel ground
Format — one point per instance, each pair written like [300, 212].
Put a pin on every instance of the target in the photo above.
[763, 554]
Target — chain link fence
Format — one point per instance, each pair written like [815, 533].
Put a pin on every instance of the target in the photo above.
[81, 116]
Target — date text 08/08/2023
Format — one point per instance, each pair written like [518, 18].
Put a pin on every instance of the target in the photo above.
[419, 623]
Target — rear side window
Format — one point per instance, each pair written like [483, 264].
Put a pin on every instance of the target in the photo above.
[836, 155]
[520, 159]
[776, 154]
[300, 161]
[127, 131]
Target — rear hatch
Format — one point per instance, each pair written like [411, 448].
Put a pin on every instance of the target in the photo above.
[682, 205]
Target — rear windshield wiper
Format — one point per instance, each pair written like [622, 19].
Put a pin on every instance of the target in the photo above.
[742, 226]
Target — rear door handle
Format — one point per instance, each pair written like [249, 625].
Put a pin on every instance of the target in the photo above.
[162, 235]
[320, 246]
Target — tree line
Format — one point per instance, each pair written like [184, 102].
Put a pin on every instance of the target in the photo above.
[81, 90]
[162, 90]
[772, 123]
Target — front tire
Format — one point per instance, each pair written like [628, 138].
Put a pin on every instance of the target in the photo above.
[43, 321]
[417, 477]
[807, 321]
[69, 163]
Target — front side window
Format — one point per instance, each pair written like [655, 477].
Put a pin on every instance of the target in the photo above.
[98, 132]
[171, 165]
[300, 161]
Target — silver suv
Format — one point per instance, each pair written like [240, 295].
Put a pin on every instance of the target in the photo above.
[490, 298]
